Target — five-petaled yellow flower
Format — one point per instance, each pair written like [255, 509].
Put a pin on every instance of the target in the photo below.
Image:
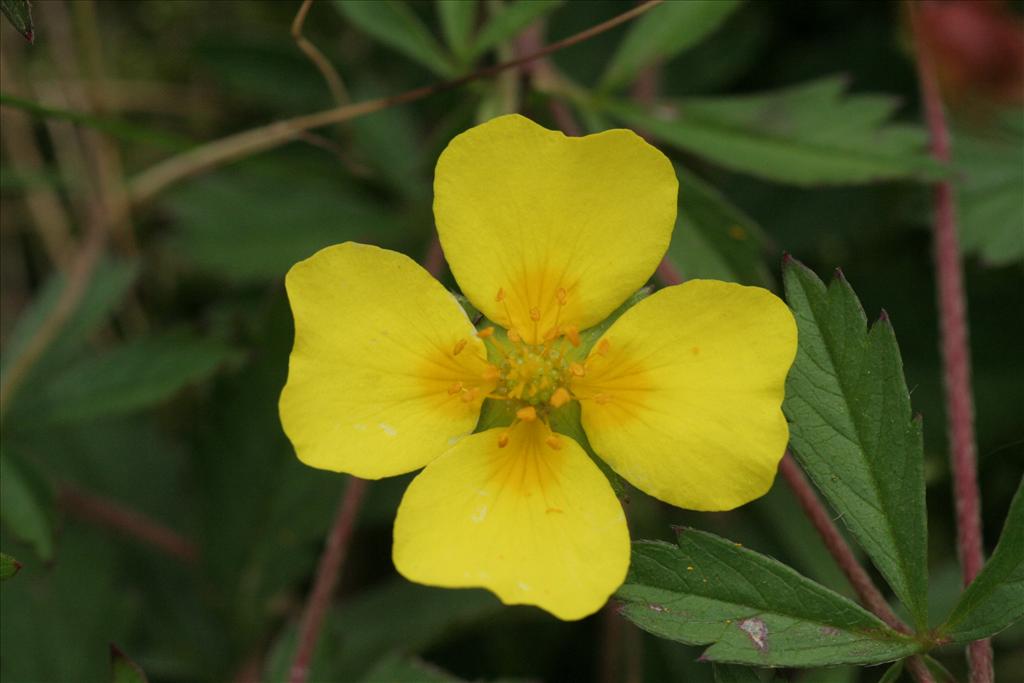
[546, 235]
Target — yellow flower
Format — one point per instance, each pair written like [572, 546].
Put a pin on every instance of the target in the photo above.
[546, 235]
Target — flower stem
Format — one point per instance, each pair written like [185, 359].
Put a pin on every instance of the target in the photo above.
[956, 358]
[327, 573]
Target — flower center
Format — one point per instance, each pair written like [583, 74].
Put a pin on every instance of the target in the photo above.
[532, 374]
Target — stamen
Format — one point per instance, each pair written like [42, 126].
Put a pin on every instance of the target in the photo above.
[560, 397]
[535, 314]
[469, 395]
[572, 333]
[491, 372]
[501, 294]
[513, 336]
[503, 440]
[459, 345]
[455, 388]
[561, 295]
[577, 369]
[603, 347]
[601, 398]
[527, 413]
[485, 333]
[554, 442]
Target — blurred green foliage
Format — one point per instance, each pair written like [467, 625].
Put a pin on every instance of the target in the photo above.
[794, 127]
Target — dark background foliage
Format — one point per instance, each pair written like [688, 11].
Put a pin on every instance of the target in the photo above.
[160, 395]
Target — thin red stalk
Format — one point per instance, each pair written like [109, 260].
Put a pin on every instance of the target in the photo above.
[129, 522]
[327, 574]
[956, 357]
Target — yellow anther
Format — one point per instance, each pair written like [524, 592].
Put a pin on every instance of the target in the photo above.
[554, 442]
[535, 314]
[469, 395]
[603, 347]
[551, 334]
[455, 388]
[601, 398]
[560, 397]
[459, 345]
[577, 369]
[514, 337]
[491, 372]
[501, 295]
[527, 413]
[503, 440]
[572, 334]
[485, 333]
[561, 295]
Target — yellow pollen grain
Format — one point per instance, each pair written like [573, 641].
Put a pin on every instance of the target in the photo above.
[560, 397]
[577, 369]
[459, 345]
[554, 442]
[485, 333]
[527, 413]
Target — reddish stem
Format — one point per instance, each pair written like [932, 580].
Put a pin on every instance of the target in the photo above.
[327, 574]
[128, 522]
[956, 357]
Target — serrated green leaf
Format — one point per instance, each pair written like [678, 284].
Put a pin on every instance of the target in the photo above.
[892, 674]
[19, 13]
[851, 429]
[508, 22]
[714, 239]
[457, 23]
[398, 669]
[8, 566]
[127, 378]
[123, 669]
[664, 32]
[995, 599]
[26, 504]
[989, 182]
[810, 134]
[396, 25]
[730, 673]
[749, 608]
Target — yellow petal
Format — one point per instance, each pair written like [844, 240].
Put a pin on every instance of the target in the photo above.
[534, 524]
[685, 402]
[373, 364]
[549, 219]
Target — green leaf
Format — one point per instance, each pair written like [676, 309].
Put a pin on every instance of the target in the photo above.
[251, 223]
[417, 618]
[105, 291]
[123, 669]
[509, 21]
[810, 134]
[8, 567]
[990, 176]
[714, 239]
[750, 608]
[394, 24]
[457, 22]
[892, 674]
[26, 504]
[995, 599]
[730, 673]
[127, 378]
[396, 668]
[851, 429]
[19, 13]
[664, 32]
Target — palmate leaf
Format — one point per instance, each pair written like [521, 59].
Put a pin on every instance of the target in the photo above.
[809, 134]
[851, 429]
[664, 32]
[750, 608]
[995, 599]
